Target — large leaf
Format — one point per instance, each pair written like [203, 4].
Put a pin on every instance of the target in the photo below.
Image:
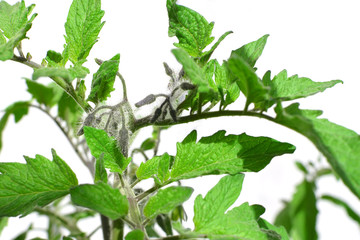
[37, 183]
[82, 28]
[18, 109]
[103, 80]
[166, 200]
[100, 143]
[238, 223]
[338, 144]
[247, 80]
[218, 154]
[156, 167]
[191, 29]
[251, 52]
[102, 198]
[69, 110]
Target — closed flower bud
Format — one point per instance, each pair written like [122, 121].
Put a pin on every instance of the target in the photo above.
[187, 86]
[156, 115]
[147, 100]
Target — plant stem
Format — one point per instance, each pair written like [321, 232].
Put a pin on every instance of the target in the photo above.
[146, 193]
[105, 225]
[146, 121]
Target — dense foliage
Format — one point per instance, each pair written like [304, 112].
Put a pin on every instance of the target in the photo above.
[203, 88]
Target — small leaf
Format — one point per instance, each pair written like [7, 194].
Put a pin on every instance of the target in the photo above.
[166, 200]
[47, 95]
[99, 142]
[103, 80]
[13, 18]
[247, 80]
[18, 109]
[148, 144]
[279, 230]
[37, 183]
[100, 171]
[164, 222]
[82, 28]
[191, 29]
[135, 235]
[69, 110]
[349, 210]
[301, 167]
[251, 52]
[7, 49]
[114, 205]
[338, 144]
[219, 154]
[156, 167]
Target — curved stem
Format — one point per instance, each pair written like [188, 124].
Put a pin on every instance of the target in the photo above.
[88, 164]
[144, 122]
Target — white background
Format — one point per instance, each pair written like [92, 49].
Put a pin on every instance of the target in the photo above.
[316, 39]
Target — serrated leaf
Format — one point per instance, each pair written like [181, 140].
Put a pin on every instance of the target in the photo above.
[279, 230]
[18, 109]
[82, 28]
[166, 200]
[100, 171]
[247, 80]
[219, 154]
[135, 235]
[114, 205]
[3, 223]
[251, 52]
[53, 72]
[99, 142]
[7, 49]
[238, 223]
[349, 210]
[338, 144]
[286, 88]
[47, 95]
[103, 80]
[36, 183]
[156, 167]
[206, 55]
[53, 58]
[14, 17]
[191, 29]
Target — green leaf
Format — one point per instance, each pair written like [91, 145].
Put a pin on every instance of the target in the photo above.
[114, 205]
[99, 142]
[206, 56]
[82, 28]
[13, 18]
[238, 223]
[100, 171]
[7, 49]
[279, 230]
[303, 212]
[283, 218]
[103, 80]
[247, 80]
[53, 72]
[69, 110]
[349, 210]
[156, 167]
[53, 58]
[148, 144]
[251, 52]
[47, 95]
[286, 88]
[135, 235]
[338, 144]
[191, 29]
[219, 154]
[37, 183]
[18, 109]
[166, 200]
[3, 223]
[164, 222]
[193, 71]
